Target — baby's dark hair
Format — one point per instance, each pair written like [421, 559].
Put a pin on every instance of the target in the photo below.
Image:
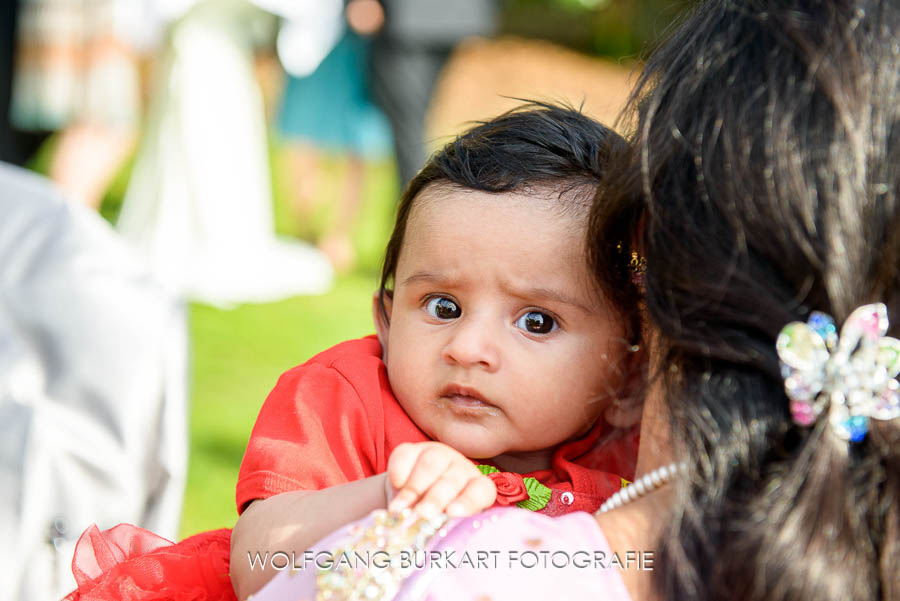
[535, 146]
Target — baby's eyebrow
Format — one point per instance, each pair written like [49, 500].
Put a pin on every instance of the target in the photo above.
[427, 277]
[539, 292]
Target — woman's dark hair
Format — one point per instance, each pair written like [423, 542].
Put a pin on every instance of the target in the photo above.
[765, 171]
[537, 145]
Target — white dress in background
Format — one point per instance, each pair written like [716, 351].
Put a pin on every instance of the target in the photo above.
[199, 203]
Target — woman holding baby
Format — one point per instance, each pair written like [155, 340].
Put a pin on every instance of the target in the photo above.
[760, 200]
[763, 189]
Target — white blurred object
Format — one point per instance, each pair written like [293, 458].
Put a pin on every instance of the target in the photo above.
[199, 203]
[303, 45]
[309, 30]
[143, 23]
[93, 414]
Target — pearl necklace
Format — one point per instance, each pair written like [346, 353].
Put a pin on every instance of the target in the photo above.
[642, 486]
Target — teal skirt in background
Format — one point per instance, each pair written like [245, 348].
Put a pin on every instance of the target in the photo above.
[332, 107]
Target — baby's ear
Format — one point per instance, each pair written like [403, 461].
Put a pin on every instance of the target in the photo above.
[382, 318]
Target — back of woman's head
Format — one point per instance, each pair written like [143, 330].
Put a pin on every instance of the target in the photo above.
[766, 161]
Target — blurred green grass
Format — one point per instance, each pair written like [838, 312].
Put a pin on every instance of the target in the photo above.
[237, 355]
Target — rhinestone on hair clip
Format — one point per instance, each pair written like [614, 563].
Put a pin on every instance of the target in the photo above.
[854, 375]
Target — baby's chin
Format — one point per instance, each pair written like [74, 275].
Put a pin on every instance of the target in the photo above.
[475, 452]
[489, 452]
[479, 451]
[523, 462]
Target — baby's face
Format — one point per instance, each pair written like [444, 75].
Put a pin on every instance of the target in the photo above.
[499, 344]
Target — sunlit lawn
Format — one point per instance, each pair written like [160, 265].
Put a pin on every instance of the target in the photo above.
[237, 355]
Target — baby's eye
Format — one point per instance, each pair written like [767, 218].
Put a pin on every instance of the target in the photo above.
[443, 308]
[536, 322]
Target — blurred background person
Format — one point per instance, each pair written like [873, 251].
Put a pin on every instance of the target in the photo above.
[407, 57]
[16, 146]
[93, 383]
[199, 202]
[326, 109]
[75, 71]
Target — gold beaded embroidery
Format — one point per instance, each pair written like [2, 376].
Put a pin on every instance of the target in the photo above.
[392, 537]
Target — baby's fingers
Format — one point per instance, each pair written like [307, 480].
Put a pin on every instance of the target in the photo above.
[443, 492]
[479, 493]
[429, 465]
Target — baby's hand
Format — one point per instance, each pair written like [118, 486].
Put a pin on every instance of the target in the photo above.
[435, 478]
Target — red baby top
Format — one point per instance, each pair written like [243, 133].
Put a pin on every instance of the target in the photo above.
[334, 420]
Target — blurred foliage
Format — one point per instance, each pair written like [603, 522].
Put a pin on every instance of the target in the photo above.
[611, 28]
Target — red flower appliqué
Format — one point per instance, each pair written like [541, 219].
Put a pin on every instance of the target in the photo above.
[510, 488]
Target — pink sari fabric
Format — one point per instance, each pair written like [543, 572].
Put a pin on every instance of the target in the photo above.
[513, 554]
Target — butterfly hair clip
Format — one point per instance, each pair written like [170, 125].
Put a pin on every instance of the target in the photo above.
[853, 375]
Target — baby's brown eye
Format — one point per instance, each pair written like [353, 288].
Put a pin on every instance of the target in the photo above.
[443, 308]
[536, 322]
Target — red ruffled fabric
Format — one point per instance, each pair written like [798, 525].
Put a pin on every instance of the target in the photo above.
[127, 563]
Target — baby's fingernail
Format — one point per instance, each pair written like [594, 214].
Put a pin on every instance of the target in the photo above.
[455, 510]
[398, 504]
[426, 510]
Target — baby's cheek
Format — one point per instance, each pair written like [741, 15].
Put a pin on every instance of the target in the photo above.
[405, 380]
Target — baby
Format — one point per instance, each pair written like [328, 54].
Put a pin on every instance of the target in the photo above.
[497, 354]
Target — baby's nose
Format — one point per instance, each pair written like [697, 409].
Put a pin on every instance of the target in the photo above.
[473, 343]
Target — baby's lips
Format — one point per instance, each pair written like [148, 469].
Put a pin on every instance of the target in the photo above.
[464, 391]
